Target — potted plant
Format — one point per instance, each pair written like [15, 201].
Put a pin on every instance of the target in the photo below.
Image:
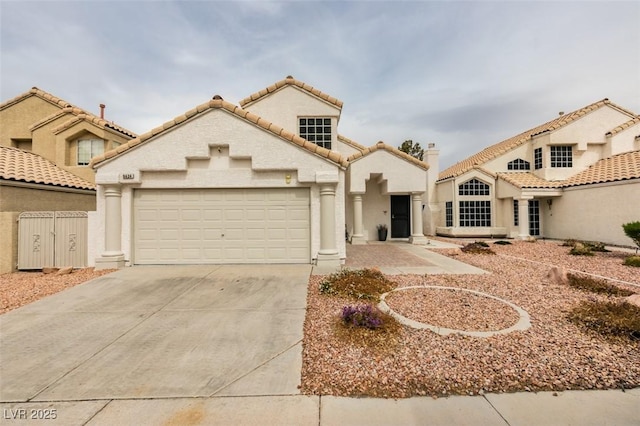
[382, 232]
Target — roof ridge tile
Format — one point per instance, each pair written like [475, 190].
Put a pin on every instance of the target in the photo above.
[290, 81]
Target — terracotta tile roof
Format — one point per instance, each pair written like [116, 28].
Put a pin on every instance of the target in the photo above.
[528, 180]
[66, 108]
[500, 148]
[351, 143]
[624, 126]
[218, 103]
[616, 168]
[395, 151]
[290, 81]
[24, 166]
[619, 167]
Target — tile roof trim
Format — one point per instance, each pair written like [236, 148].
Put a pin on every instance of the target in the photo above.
[103, 124]
[34, 91]
[351, 143]
[391, 149]
[616, 171]
[493, 151]
[624, 126]
[290, 81]
[509, 177]
[218, 103]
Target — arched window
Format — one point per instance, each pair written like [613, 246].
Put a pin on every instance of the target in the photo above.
[473, 187]
[519, 164]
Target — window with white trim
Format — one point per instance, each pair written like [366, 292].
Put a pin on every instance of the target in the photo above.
[537, 158]
[473, 187]
[518, 164]
[448, 213]
[316, 130]
[516, 220]
[561, 156]
[89, 148]
[475, 213]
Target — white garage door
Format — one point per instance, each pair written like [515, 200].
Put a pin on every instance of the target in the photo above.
[189, 226]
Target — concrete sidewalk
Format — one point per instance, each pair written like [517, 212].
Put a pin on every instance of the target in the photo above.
[583, 408]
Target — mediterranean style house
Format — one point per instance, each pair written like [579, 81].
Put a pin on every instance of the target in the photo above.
[574, 177]
[66, 135]
[268, 181]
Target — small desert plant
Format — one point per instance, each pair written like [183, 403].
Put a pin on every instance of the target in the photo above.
[477, 248]
[609, 319]
[503, 243]
[596, 246]
[362, 316]
[632, 261]
[569, 243]
[582, 282]
[481, 244]
[632, 230]
[359, 284]
[580, 249]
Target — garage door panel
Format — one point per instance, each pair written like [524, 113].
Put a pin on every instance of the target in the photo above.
[221, 226]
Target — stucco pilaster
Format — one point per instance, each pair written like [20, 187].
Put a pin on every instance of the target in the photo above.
[358, 235]
[328, 253]
[523, 218]
[417, 234]
[112, 256]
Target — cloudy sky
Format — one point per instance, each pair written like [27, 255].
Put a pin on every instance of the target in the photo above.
[461, 74]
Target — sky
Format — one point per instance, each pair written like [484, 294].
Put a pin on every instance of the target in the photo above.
[463, 75]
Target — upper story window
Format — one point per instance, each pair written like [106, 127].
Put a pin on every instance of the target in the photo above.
[316, 130]
[561, 156]
[518, 164]
[473, 187]
[89, 148]
[537, 158]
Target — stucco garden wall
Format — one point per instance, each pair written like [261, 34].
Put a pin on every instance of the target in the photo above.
[20, 199]
[594, 213]
[8, 241]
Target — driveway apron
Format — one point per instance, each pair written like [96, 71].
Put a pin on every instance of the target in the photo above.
[156, 332]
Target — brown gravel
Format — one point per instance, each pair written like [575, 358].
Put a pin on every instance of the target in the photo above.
[457, 310]
[21, 288]
[553, 354]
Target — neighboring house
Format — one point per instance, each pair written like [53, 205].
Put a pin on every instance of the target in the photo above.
[269, 181]
[66, 135]
[28, 182]
[577, 176]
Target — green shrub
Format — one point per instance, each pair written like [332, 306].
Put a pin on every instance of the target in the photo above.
[359, 284]
[481, 244]
[609, 319]
[632, 261]
[582, 282]
[632, 230]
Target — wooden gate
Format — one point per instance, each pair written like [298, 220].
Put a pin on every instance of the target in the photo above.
[52, 239]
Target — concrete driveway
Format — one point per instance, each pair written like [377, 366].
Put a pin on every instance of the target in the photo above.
[159, 332]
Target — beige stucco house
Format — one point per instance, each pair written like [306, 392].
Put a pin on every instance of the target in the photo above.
[54, 129]
[266, 181]
[29, 182]
[577, 176]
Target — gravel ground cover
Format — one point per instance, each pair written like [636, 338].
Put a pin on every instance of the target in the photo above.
[20, 288]
[553, 354]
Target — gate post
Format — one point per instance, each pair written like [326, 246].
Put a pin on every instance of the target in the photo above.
[112, 257]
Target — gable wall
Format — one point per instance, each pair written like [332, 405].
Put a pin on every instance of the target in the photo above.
[17, 118]
[284, 106]
[401, 177]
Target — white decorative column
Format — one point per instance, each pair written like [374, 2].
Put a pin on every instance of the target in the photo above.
[328, 253]
[358, 236]
[112, 257]
[523, 219]
[417, 235]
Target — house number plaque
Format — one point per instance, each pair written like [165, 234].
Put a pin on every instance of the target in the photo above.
[128, 176]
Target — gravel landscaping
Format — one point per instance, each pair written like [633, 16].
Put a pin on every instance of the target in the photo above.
[554, 354]
[21, 288]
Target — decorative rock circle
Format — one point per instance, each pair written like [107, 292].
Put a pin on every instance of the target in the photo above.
[523, 322]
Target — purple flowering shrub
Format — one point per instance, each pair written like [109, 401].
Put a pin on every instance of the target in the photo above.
[362, 316]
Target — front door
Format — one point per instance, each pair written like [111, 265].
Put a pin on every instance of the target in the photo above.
[400, 216]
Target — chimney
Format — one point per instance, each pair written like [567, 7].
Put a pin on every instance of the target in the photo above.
[102, 106]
